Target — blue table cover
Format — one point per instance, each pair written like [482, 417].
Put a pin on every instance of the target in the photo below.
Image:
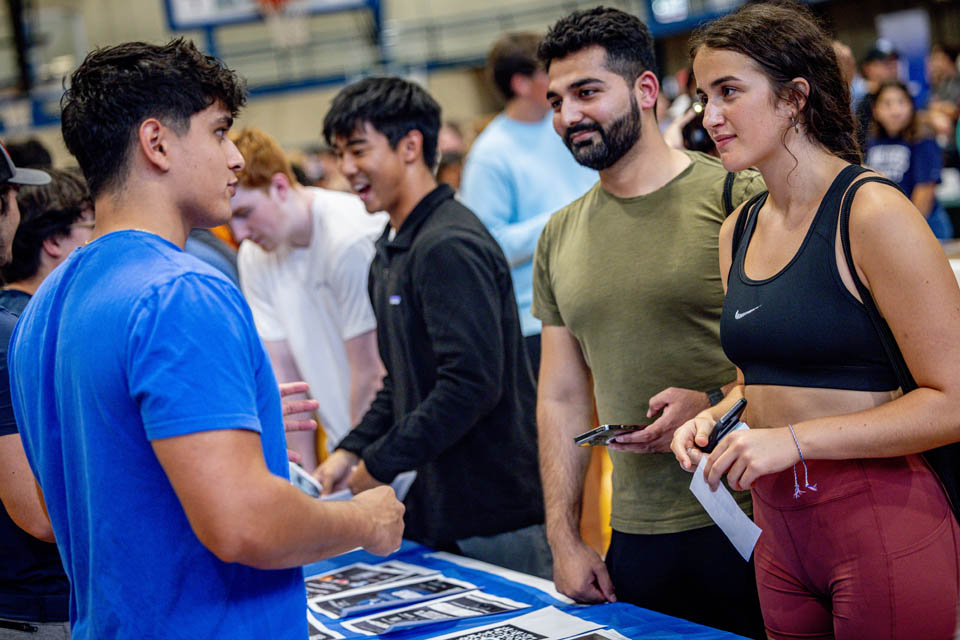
[631, 621]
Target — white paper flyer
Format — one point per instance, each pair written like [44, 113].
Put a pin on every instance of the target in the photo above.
[725, 511]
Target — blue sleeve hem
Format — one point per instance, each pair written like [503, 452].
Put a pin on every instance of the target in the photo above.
[173, 428]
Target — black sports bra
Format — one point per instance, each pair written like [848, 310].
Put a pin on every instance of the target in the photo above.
[802, 327]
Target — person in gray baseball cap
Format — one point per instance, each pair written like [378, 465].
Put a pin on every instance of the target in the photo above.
[10, 177]
[33, 589]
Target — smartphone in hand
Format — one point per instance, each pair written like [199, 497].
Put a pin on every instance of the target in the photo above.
[602, 435]
[725, 425]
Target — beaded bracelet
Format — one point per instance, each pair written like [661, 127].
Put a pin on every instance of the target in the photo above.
[797, 491]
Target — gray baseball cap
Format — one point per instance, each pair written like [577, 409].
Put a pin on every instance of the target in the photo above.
[11, 173]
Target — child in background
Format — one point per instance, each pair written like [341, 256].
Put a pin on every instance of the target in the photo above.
[898, 148]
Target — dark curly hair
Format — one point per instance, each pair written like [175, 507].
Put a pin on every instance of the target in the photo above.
[46, 211]
[624, 37]
[392, 106]
[786, 41]
[116, 88]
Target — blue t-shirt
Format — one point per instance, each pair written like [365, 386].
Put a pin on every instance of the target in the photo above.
[32, 583]
[906, 163]
[909, 164]
[516, 176]
[128, 341]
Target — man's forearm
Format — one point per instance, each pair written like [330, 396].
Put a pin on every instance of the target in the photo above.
[363, 389]
[19, 491]
[283, 527]
[243, 513]
[563, 466]
[366, 373]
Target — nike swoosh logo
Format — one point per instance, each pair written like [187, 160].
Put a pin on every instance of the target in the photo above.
[739, 315]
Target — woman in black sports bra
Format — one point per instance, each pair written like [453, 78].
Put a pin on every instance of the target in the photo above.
[859, 540]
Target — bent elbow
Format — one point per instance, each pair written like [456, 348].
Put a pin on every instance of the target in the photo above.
[243, 545]
[230, 544]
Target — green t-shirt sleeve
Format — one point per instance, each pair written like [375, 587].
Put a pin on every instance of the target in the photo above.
[544, 306]
[747, 184]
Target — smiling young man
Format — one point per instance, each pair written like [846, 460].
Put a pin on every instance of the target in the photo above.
[304, 274]
[627, 286]
[147, 405]
[457, 402]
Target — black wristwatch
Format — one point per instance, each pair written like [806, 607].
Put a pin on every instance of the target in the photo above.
[715, 396]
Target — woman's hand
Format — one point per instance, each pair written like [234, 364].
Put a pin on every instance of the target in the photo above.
[690, 434]
[747, 454]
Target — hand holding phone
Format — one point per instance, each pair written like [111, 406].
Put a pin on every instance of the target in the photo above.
[602, 435]
[724, 425]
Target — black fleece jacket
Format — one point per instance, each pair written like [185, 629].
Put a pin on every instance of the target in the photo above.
[458, 402]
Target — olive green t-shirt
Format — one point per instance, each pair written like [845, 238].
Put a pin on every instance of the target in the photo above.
[637, 281]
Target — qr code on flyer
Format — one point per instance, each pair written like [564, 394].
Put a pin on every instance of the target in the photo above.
[505, 632]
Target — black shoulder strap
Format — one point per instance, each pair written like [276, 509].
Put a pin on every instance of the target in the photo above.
[728, 193]
[945, 460]
[904, 377]
[741, 224]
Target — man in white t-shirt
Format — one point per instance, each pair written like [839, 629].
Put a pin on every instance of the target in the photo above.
[304, 274]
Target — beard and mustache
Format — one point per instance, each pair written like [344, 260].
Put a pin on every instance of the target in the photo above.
[615, 140]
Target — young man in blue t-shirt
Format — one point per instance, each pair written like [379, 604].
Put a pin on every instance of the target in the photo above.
[146, 402]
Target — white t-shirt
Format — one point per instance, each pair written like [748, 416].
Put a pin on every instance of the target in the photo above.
[316, 298]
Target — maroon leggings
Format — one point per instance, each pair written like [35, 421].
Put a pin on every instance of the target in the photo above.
[874, 553]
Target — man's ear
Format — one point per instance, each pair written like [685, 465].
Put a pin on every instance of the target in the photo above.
[52, 246]
[153, 140]
[280, 187]
[520, 85]
[410, 146]
[646, 88]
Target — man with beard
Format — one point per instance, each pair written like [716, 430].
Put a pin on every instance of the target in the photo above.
[627, 286]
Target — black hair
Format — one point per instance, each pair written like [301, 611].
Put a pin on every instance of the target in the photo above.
[46, 211]
[624, 37]
[30, 153]
[392, 106]
[511, 54]
[117, 88]
[786, 41]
